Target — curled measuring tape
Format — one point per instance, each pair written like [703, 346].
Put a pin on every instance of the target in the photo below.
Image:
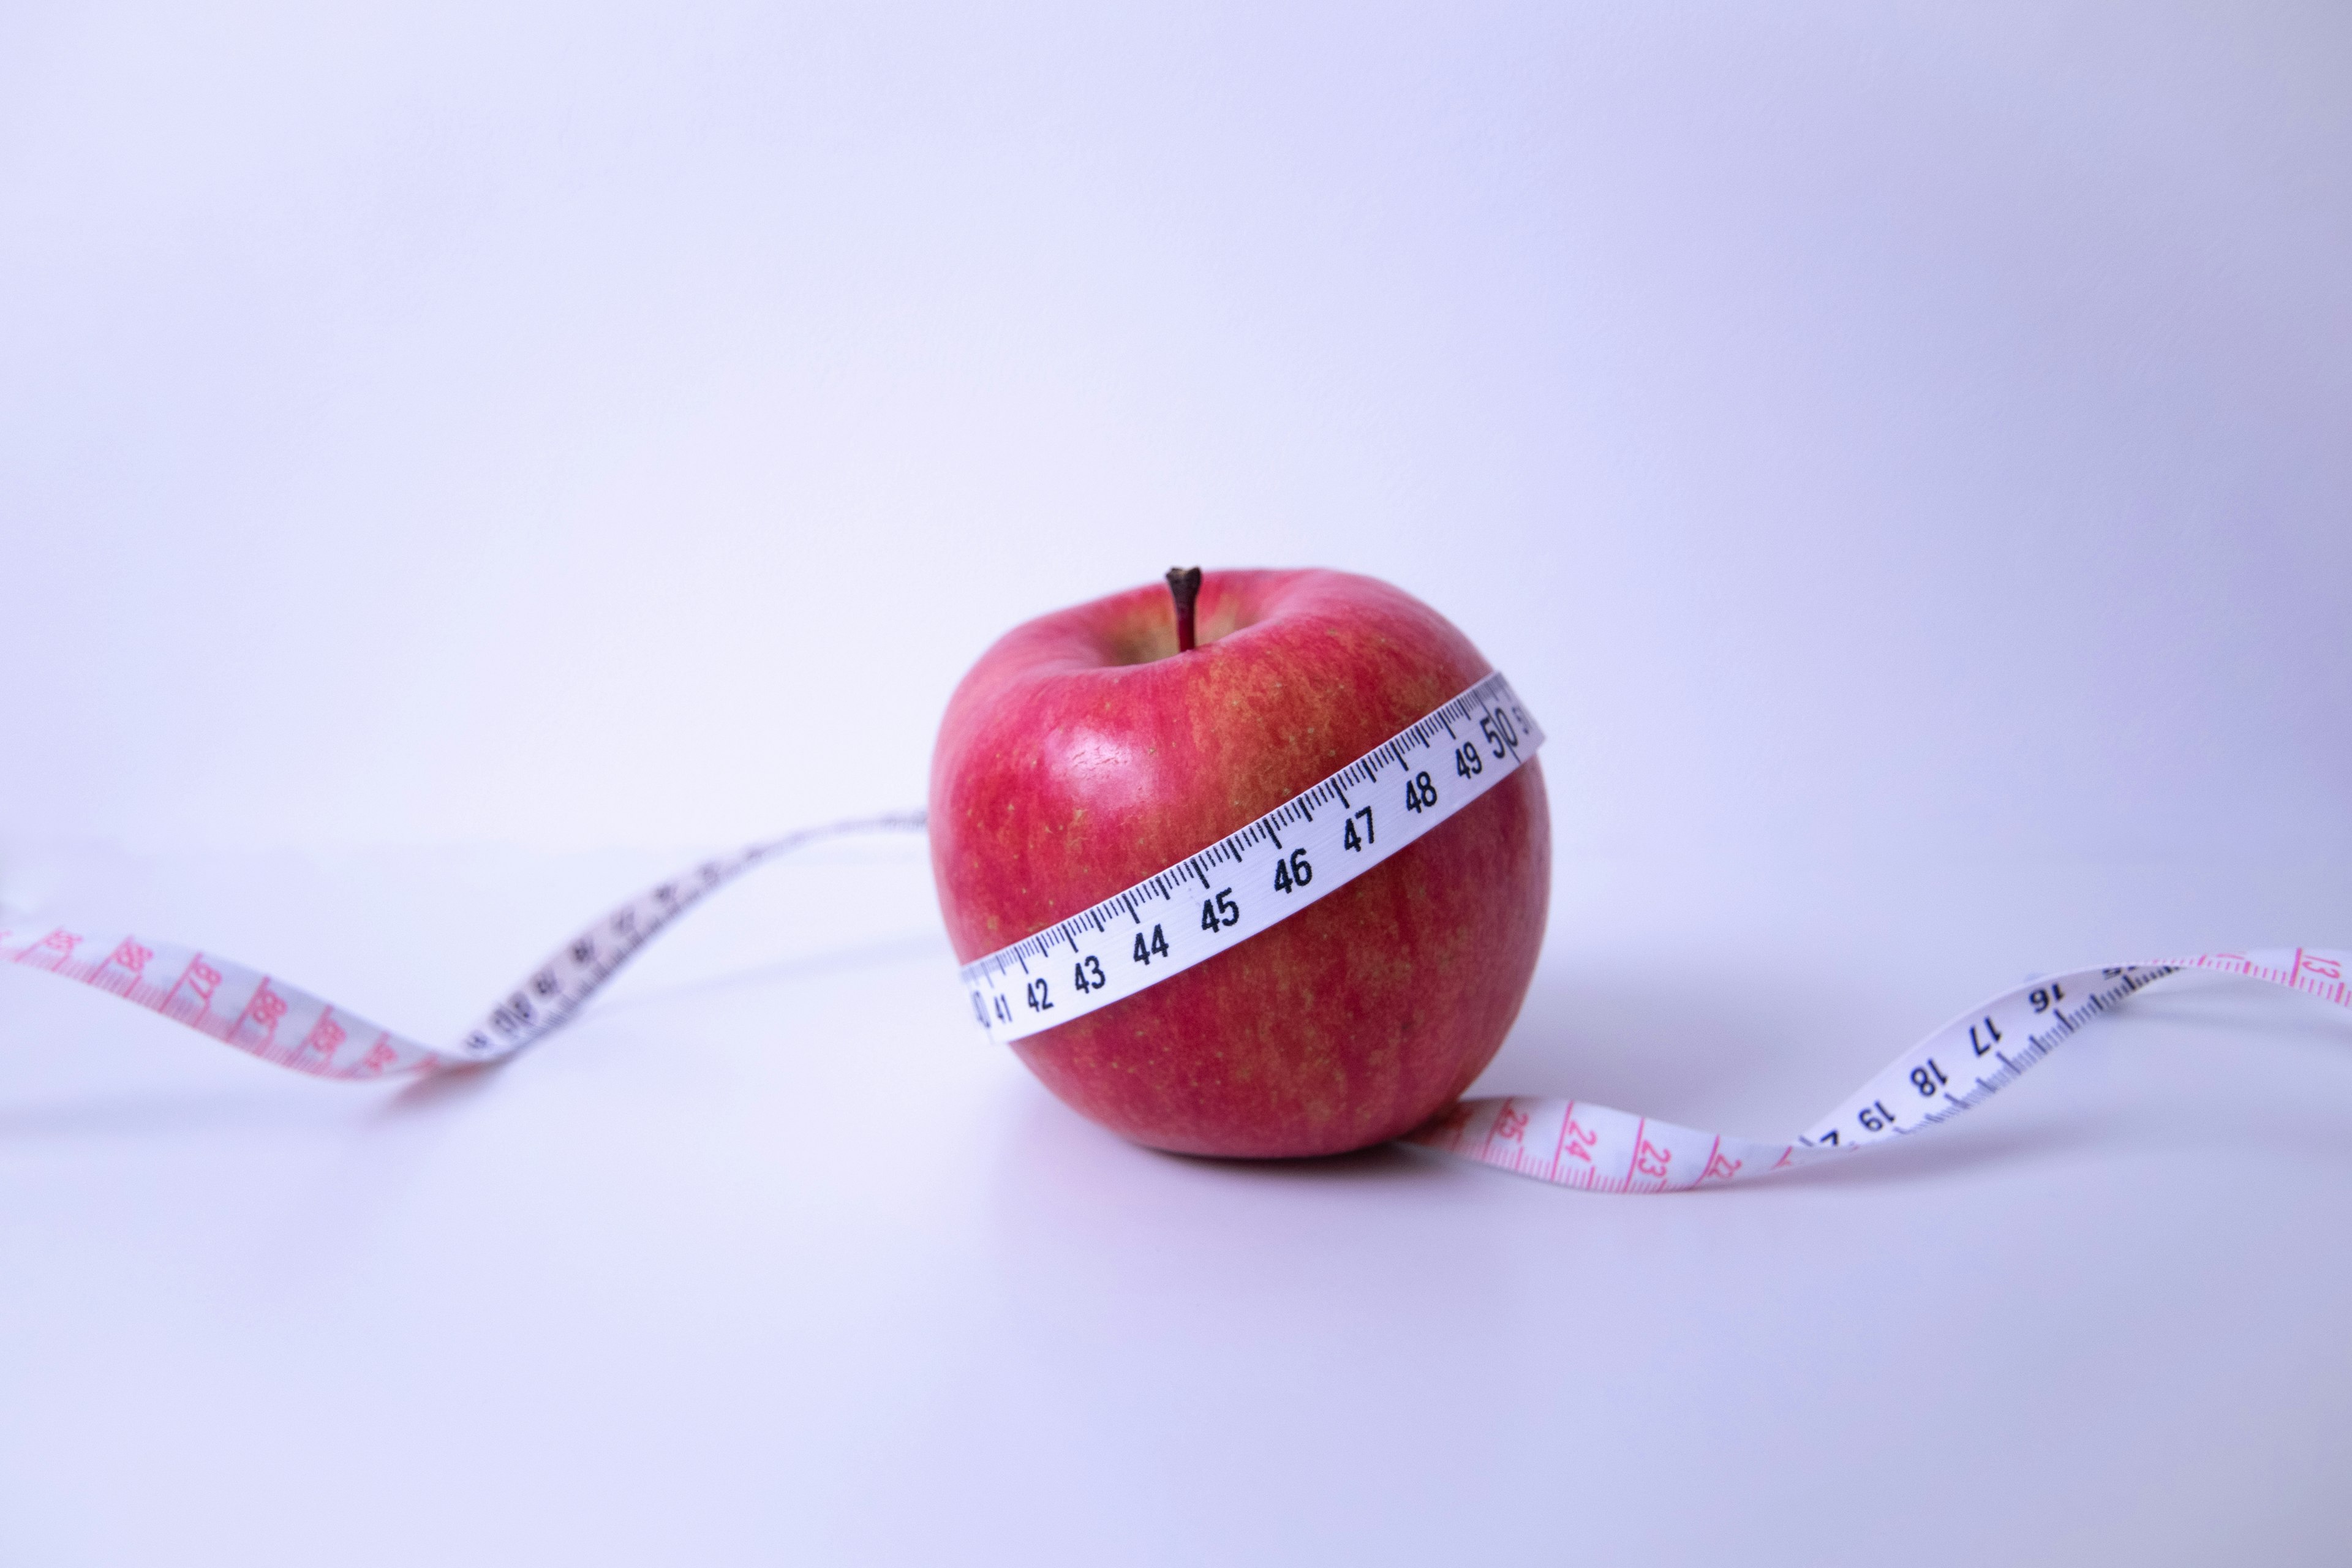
[1311, 844]
[262, 1014]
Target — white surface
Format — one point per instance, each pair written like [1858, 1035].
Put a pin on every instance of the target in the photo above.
[1900, 459]
[676, 1287]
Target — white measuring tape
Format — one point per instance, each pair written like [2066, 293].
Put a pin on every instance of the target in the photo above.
[1226, 893]
[282, 1024]
[1310, 845]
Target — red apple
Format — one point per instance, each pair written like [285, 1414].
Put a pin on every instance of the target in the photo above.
[1084, 753]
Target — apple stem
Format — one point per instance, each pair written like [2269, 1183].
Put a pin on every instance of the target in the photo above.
[1184, 588]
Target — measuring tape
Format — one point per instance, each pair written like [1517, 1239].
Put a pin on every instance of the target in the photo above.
[279, 1022]
[1307, 846]
[1953, 1070]
[1311, 845]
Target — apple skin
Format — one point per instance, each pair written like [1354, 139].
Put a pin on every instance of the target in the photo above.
[1084, 753]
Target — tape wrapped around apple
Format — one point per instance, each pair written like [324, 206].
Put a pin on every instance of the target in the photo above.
[1092, 747]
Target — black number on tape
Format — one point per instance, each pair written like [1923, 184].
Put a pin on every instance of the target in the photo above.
[1500, 732]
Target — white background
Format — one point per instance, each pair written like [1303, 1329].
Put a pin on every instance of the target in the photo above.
[1901, 455]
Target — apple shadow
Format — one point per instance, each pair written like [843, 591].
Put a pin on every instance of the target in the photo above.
[1712, 1052]
[1382, 1164]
